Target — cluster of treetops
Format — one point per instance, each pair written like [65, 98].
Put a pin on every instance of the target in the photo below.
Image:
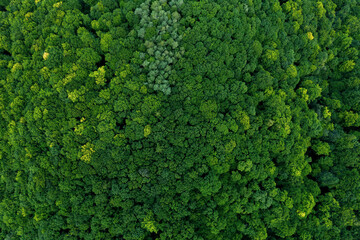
[171, 119]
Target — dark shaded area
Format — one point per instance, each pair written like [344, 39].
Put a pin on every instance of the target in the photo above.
[246, 237]
[64, 231]
[351, 129]
[297, 86]
[203, 175]
[311, 177]
[121, 125]
[260, 106]
[85, 8]
[155, 236]
[6, 53]
[312, 154]
[102, 62]
[91, 30]
[324, 190]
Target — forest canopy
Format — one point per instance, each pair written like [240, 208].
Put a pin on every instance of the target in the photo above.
[172, 119]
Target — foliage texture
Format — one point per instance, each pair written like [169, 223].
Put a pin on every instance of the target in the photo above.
[171, 119]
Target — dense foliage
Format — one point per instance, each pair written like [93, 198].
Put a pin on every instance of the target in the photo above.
[171, 119]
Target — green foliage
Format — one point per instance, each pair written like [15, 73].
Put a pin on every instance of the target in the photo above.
[172, 119]
[159, 29]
